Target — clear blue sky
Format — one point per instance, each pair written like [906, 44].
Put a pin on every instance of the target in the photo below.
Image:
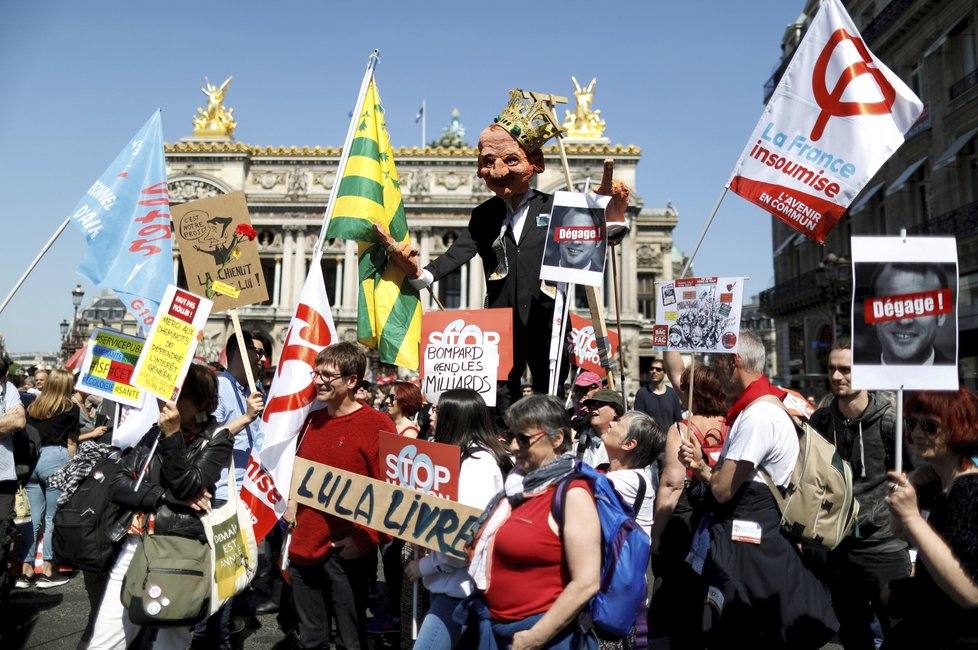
[681, 80]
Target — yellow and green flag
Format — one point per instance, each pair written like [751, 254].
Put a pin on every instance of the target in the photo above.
[389, 309]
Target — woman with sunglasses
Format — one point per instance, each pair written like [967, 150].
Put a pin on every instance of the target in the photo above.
[403, 403]
[461, 418]
[534, 577]
[939, 603]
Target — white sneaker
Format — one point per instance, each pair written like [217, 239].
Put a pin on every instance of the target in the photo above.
[46, 582]
[23, 582]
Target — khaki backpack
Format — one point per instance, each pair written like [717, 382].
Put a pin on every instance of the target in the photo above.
[817, 508]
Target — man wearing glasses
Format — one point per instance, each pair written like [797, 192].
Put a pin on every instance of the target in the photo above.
[658, 400]
[862, 426]
[330, 558]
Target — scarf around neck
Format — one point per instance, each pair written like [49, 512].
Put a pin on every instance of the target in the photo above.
[518, 487]
[758, 388]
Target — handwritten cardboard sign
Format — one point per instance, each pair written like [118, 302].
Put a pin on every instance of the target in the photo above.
[430, 467]
[107, 370]
[585, 345]
[219, 252]
[698, 314]
[171, 343]
[438, 524]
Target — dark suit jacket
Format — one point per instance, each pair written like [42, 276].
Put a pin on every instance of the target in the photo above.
[520, 289]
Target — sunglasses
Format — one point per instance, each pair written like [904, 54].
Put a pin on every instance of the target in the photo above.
[522, 439]
[929, 426]
[658, 370]
[259, 351]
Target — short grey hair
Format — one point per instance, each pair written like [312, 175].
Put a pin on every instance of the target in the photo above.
[751, 351]
[543, 411]
[649, 437]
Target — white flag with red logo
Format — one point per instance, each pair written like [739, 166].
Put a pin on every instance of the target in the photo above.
[836, 116]
[290, 399]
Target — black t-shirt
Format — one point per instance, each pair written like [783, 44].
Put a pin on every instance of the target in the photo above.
[55, 431]
[665, 409]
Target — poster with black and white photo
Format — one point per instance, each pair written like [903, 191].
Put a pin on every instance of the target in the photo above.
[904, 313]
[577, 239]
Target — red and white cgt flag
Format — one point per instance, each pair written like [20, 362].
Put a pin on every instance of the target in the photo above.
[836, 116]
[290, 399]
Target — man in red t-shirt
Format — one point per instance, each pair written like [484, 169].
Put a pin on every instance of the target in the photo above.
[330, 558]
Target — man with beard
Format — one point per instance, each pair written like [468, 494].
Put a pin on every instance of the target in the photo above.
[508, 232]
[862, 426]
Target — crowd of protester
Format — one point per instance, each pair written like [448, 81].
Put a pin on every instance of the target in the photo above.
[689, 461]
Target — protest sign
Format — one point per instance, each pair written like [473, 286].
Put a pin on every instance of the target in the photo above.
[171, 343]
[698, 314]
[904, 313]
[218, 251]
[836, 116]
[577, 239]
[429, 467]
[466, 349]
[107, 370]
[585, 345]
[438, 524]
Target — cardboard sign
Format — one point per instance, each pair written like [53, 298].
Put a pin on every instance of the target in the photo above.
[585, 345]
[107, 370]
[904, 313]
[837, 114]
[171, 343]
[698, 314]
[429, 467]
[218, 251]
[577, 239]
[418, 518]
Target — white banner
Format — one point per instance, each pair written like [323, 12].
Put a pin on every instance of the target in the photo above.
[290, 399]
[698, 314]
[836, 116]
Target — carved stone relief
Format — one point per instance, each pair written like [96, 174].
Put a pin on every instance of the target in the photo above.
[268, 179]
[451, 181]
[191, 190]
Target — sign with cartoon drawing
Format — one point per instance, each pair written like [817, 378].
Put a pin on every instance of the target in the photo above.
[219, 252]
[904, 313]
[698, 314]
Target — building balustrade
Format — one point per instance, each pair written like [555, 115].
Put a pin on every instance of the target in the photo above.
[967, 82]
[961, 223]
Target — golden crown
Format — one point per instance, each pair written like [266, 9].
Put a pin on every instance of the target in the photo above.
[528, 122]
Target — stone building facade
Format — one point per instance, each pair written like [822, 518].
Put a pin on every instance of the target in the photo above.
[288, 188]
[928, 187]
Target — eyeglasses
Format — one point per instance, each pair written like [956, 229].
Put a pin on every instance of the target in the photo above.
[325, 377]
[522, 439]
[930, 427]
[658, 370]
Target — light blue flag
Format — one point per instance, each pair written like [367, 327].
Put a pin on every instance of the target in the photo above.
[125, 217]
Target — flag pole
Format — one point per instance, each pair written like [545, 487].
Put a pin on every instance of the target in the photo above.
[424, 125]
[689, 262]
[37, 259]
[345, 154]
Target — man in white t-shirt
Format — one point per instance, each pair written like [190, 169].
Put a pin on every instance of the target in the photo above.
[759, 592]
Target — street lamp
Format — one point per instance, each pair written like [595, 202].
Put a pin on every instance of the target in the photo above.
[64, 328]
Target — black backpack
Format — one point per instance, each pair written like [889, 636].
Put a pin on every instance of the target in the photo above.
[83, 524]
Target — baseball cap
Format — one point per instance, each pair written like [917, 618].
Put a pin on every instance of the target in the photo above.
[588, 378]
[606, 396]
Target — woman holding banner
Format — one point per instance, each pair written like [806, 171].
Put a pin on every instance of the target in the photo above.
[939, 603]
[167, 480]
[461, 418]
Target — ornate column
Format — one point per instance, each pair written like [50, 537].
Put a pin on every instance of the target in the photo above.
[277, 283]
[477, 285]
[176, 268]
[300, 268]
[288, 260]
[338, 281]
[350, 283]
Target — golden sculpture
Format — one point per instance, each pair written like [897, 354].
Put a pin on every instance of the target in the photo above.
[531, 123]
[215, 119]
[583, 123]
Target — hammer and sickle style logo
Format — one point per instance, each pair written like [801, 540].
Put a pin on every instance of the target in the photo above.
[830, 101]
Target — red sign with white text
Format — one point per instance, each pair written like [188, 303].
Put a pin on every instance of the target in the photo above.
[585, 345]
[908, 305]
[471, 327]
[429, 467]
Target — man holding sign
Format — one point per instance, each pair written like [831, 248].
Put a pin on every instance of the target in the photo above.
[329, 557]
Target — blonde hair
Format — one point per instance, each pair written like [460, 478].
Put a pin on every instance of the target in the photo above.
[55, 397]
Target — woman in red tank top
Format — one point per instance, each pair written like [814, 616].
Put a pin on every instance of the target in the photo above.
[534, 580]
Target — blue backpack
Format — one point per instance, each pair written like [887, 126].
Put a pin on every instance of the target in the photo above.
[624, 553]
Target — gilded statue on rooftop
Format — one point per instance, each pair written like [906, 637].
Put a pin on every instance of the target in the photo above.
[215, 119]
[583, 123]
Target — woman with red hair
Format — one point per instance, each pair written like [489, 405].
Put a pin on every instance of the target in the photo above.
[939, 604]
[403, 402]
